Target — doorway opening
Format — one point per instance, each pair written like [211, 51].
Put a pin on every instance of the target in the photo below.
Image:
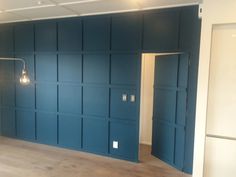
[163, 106]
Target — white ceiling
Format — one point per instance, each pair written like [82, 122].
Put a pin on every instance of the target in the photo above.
[24, 10]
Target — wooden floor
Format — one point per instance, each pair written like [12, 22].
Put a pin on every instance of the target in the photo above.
[23, 159]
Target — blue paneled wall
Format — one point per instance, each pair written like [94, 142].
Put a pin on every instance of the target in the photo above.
[79, 68]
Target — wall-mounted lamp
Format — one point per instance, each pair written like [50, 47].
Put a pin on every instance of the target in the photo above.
[24, 78]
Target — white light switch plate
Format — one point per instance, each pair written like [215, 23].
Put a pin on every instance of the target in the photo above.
[132, 98]
[124, 97]
[115, 145]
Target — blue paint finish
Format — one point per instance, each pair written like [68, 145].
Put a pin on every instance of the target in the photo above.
[70, 129]
[95, 101]
[70, 35]
[24, 38]
[70, 99]
[125, 134]
[96, 33]
[95, 135]
[46, 67]
[8, 94]
[25, 96]
[124, 69]
[6, 39]
[120, 109]
[45, 36]
[179, 148]
[8, 125]
[126, 32]
[96, 69]
[70, 68]
[161, 30]
[7, 70]
[46, 128]
[46, 97]
[25, 125]
[181, 108]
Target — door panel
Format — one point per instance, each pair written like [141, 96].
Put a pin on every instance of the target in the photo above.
[169, 111]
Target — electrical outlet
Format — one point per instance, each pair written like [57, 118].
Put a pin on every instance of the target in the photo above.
[124, 97]
[115, 145]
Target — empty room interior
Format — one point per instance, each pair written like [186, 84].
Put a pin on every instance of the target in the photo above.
[117, 88]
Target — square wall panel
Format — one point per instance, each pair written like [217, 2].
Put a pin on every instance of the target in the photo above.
[96, 68]
[161, 30]
[123, 109]
[70, 131]
[95, 135]
[8, 122]
[46, 97]
[126, 136]
[126, 32]
[46, 67]
[95, 101]
[70, 35]
[25, 125]
[25, 96]
[70, 99]
[96, 33]
[24, 38]
[6, 38]
[124, 69]
[46, 36]
[29, 60]
[46, 128]
[70, 68]
[8, 94]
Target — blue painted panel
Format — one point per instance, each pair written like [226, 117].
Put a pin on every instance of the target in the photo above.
[70, 99]
[181, 108]
[46, 97]
[121, 109]
[165, 105]
[179, 148]
[70, 35]
[25, 96]
[25, 125]
[46, 128]
[8, 123]
[6, 38]
[161, 30]
[24, 38]
[46, 36]
[163, 142]
[70, 131]
[46, 67]
[95, 135]
[7, 70]
[124, 69]
[126, 32]
[96, 68]
[126, 135]
[167, 68]
[96, 33]
[95, 101]
[8, 94]
[29, 60]
[70, 68]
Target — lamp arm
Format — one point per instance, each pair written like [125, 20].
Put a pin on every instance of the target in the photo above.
[15, 59]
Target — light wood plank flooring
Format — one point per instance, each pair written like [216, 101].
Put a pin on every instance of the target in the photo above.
[24, 159]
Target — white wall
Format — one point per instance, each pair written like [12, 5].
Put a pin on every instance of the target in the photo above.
[146, 102]
[214, 12]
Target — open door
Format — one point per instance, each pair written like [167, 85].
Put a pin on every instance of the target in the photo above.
[169, 110]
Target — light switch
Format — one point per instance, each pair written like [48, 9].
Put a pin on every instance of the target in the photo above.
[124, 97]
[132, 98]
[115, 145]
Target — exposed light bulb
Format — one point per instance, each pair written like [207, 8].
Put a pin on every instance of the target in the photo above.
[24, 79]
